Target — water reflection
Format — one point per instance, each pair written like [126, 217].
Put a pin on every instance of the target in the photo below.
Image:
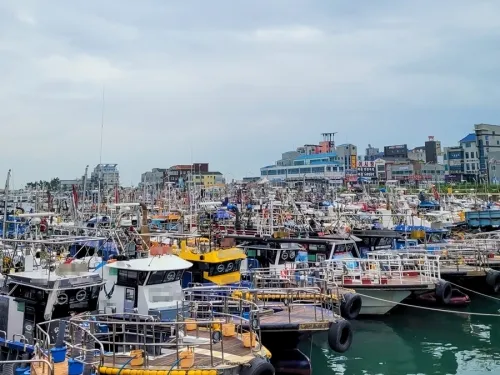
[414, 341]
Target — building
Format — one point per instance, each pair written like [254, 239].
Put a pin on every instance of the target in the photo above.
[462, 161]
[371, 153]
[396, 152]
[414, 171]
[154, 178]
[316, 166]
[67, 185]
[105, 176]
[209, 179]
[494, 167]
[179, 174]
[347, 155]
[487, 140]
[311, 161]
[432, 150]
[417, 154]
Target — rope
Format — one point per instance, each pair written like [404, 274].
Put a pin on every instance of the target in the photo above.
[430, 308]
[473, 291]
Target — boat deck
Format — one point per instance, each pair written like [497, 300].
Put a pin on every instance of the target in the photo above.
[228, 352]
[43, 369]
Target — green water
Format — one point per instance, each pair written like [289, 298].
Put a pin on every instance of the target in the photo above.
[411, 341]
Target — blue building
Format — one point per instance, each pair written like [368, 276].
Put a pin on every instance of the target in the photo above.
[314, 166]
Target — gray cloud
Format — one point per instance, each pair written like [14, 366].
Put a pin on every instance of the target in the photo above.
[235, 83]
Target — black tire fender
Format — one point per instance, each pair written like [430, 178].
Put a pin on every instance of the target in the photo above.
[340, 336]
[444, 292]
[350, 306]
[257, 366]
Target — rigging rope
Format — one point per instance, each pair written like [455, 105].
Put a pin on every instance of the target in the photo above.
[430, 308]
[473, 291]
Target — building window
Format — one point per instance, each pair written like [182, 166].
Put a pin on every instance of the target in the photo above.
[467, 166]
[466, 155]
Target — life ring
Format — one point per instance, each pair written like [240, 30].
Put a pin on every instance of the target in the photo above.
[493, 280]
[444, 292]
[340, 336]
[350, 306]
[258, 366]
[80, 295]
[62, 298]
[285, 273]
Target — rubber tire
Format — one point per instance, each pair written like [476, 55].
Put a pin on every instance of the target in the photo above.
[444, 291]
[350, 306]
[340, 336]
[258, 366]
[493, 280]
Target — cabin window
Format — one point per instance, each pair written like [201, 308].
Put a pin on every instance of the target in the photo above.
[161, 277]
[127, 278]
[225, 267]
[156, 277]
[130, 294]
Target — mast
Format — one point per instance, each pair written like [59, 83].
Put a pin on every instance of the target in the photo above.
[100, 176]
[6, 195]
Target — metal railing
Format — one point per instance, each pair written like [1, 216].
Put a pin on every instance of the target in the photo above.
[121, 333]
[320, 301]
[42, 362]
[76, 339]
[379, 268]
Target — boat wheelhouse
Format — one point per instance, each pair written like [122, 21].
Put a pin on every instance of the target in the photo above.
[146, 286]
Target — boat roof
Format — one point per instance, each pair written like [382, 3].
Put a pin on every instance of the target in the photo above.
[158, 263]
[42, 278]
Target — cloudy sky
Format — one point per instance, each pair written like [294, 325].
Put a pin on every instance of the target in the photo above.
[234, 82]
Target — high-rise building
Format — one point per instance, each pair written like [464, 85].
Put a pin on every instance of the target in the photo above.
[488, 140]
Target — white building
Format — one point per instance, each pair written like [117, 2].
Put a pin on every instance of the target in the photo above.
[105, 176]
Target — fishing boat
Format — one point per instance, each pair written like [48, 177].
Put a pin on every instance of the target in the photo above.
[287, 316]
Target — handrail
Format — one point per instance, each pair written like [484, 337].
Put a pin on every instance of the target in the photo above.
[21, 361]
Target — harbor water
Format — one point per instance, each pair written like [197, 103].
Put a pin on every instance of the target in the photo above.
[415, 341]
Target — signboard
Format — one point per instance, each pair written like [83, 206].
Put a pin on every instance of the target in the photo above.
[455, 162]
[396, 151]
[420, 177]
[354, 161]
[455, 155]
[366, 169]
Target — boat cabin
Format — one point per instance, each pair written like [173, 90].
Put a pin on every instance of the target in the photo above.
[146, 286]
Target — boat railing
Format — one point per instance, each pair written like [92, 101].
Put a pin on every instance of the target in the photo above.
[456, 255]
[44, 364]
[130, 336]
[384, 268]
[306, 293]
[300, 274]
[77, 338]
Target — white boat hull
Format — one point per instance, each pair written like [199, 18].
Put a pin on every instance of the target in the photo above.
[383, 301]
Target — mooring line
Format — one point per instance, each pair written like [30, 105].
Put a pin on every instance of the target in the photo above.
[474, 291]
[429, 308]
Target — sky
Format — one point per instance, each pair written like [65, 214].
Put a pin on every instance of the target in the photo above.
[235, 83]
